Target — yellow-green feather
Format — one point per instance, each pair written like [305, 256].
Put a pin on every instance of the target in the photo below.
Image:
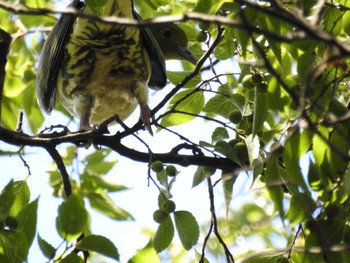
[103, 64]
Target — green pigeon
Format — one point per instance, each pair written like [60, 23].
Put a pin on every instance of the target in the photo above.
[100, 70]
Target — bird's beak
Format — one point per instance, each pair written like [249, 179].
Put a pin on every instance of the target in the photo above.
[187, 54]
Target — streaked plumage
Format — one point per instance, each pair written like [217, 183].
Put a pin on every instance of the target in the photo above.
[99, 70]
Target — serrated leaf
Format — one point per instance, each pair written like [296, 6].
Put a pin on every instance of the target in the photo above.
[97, 157]
[219, 104]
[72, 218]
[103, 203]
[96, 164]
[27, 220]
[93, 182]
[7, 197]
[301, 207]
[72, 258]
[22, 196]
[14, 246]
[191, 103]
[99, 244]
[253, 146]
[47, 249]
[146, 254]
[219, 134]
[228, 180]
[200, 175]
[187, 228]
[164, 235]
[266, 256]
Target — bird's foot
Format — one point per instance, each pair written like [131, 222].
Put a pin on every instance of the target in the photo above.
[145, 116]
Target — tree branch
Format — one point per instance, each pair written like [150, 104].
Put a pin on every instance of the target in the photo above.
[113, 142]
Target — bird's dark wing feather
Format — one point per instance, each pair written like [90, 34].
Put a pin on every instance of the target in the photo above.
[51, 57]
[158, 76]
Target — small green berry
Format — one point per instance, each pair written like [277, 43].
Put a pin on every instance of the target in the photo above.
[160, 216]
[233, 142]
[169, 206]
[171, 170]
[247, 81]
[202, 36]
[235, 116]
[262, 87]
[157, 166]
[257, 78]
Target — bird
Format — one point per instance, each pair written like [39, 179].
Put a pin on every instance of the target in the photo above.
[99, 70]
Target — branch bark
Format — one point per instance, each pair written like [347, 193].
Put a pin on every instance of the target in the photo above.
[47, 141]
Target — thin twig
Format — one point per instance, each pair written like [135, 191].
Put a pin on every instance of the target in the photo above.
[62, 168]
[229, 257]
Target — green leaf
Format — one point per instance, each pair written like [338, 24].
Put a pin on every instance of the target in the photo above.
[330, 20]
[146, 254]
[255, 159]
[260, 111]
[226, 48]
[266, 256]
[198, 257]
[164, 235]
[187, 228]
[200, 175]
[274, 183]
[301, 207]
[27, 220]
[228, 180]
[176, 77]
[221, 105]
[72, 218]
[99, 244]
[72, 258]
[14, 246]
[219, 134]
[208, 6]
[227, 150]
[295, 146]
[7, 198]
[104, 204]
[22, 193]
[96, 163]
[94, 182]
[187, 102]
[47, 249]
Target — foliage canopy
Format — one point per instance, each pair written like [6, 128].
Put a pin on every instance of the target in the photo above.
[272, 92]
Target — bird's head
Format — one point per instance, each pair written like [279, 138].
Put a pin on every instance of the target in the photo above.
[173, 42]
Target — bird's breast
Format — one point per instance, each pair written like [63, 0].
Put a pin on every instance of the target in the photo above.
[99, 69]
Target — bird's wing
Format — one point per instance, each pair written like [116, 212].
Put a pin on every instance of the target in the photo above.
[51, 57]
[158, 75]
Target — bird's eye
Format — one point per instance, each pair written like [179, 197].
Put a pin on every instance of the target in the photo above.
[167, 33]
